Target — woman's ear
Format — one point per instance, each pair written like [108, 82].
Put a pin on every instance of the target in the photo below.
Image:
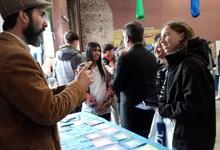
[126, 38]
[182, 36]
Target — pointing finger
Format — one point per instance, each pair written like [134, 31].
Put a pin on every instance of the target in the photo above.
[88, 64]
[86, 67]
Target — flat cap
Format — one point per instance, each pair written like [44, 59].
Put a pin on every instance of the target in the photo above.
[10, 7]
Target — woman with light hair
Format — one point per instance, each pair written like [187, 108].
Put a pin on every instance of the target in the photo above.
[189, 90]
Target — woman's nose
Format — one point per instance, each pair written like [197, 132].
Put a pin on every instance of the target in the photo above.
[97, 52]
[162, 40]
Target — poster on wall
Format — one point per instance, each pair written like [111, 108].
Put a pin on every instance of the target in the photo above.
[149, 34]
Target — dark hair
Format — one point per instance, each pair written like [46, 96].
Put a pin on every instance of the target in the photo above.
[71, 36]
[134, 31]
[157, 37]
[10, 21]
[107, 47]
[89, 50]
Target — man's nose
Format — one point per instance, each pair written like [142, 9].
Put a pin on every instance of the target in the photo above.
[45, 24]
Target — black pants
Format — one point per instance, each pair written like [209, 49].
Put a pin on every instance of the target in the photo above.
[106, 116]
[135, 119]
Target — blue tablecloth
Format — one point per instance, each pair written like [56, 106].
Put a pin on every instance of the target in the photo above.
[85, 131]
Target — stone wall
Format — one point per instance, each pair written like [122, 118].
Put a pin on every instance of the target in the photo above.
[96, 22]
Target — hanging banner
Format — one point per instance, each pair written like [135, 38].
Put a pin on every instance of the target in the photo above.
[195, 8]
[139, 9]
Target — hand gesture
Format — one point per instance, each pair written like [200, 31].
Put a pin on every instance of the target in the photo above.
[84, 76]
[90, 100]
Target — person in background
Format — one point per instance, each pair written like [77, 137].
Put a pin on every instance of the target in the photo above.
[162, 66]
[119, 51]
[189, 89]
[122, 51]
[109, 62]
[100, 95]
[108, 57]
[217, 71]
[67, 59]
[211, 61]
[29, 109]
[134, 79]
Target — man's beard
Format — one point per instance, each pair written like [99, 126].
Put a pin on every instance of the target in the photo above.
[33, 35]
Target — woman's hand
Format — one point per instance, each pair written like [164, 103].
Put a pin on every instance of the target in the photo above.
[90, 100]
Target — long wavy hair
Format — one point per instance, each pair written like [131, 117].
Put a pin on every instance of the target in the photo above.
[91, 46]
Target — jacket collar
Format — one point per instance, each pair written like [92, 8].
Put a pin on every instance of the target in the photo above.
[175, 58]
[136, 46]
[14, 38]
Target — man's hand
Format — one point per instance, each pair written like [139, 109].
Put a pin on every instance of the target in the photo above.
[84, 76]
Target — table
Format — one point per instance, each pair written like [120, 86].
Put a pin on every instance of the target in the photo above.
[85, 131]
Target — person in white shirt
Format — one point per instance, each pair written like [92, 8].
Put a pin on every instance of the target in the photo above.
[100, 95]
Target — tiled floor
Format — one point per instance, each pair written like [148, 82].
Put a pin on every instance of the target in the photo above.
[217, 144]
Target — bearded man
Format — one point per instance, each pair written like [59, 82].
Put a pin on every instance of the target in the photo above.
[29, 109]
